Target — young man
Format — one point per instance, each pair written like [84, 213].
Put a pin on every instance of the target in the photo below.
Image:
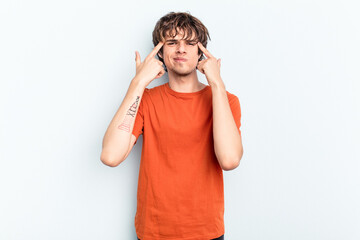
[191, 132]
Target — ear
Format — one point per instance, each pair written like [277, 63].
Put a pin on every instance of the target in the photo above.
[199, 56]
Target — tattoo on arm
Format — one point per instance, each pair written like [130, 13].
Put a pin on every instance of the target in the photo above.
[130, 115]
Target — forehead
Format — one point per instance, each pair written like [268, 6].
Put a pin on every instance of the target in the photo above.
[179, 35]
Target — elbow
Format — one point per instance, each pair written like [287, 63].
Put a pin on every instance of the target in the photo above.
[110, 161]
[230, 166]
[232, 163]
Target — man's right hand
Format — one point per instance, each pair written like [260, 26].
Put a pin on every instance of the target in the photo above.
[150, 68]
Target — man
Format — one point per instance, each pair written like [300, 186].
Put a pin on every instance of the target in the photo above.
[191, 132]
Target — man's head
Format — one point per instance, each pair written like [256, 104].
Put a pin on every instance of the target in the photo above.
[180, 33]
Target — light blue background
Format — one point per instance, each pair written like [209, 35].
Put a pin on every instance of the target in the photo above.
[66, 66]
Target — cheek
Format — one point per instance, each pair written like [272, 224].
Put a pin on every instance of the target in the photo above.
[166, 56]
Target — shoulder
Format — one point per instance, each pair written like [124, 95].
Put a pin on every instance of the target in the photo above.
[154, 90]
[232, 97]
[152, 95]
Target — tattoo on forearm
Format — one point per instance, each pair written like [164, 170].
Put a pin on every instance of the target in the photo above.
[130, 115]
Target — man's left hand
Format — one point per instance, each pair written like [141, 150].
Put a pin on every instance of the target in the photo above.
[209, 66]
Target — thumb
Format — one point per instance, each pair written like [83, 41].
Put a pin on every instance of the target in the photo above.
[137, 58]
[219, 62]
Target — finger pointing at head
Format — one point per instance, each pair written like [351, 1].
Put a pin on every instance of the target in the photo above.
[155, 50]
[204, 50]
[137, 58]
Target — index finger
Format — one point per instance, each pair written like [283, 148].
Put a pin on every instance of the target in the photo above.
[155, 50]
[205, 51]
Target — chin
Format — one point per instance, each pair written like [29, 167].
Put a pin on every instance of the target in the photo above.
[183, 71]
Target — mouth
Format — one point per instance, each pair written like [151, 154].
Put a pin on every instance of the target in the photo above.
[180, 59]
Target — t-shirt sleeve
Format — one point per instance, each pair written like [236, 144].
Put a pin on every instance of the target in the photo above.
[236, 110]
[139, 120]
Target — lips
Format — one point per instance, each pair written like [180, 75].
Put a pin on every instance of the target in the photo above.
[180, 59]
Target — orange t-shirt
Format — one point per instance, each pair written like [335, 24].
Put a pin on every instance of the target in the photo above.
[180, 187]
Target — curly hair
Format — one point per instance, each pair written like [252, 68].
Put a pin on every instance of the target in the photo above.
[173, 22]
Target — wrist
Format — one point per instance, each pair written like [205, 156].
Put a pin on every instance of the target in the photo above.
[217, 84]
[139, 82]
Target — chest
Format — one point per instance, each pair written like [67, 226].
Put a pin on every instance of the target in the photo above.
[185, 119]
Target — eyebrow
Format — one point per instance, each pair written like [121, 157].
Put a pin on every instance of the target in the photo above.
[175, 40]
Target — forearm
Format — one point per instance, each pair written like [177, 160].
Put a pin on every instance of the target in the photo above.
[227, 140]
[118, 134]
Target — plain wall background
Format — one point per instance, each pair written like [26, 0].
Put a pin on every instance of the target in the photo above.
[66, 67]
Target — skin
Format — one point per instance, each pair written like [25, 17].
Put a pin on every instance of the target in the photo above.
[150, 68]
[227, 140]
[182, 75]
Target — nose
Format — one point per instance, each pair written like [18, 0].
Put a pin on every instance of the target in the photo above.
[180, 47]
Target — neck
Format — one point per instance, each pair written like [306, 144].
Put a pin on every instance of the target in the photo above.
[185, 83]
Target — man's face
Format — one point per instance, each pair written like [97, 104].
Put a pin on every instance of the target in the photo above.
[180, 55]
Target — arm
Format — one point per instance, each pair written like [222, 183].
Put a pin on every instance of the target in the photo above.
[227, 140]
[118, 136]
